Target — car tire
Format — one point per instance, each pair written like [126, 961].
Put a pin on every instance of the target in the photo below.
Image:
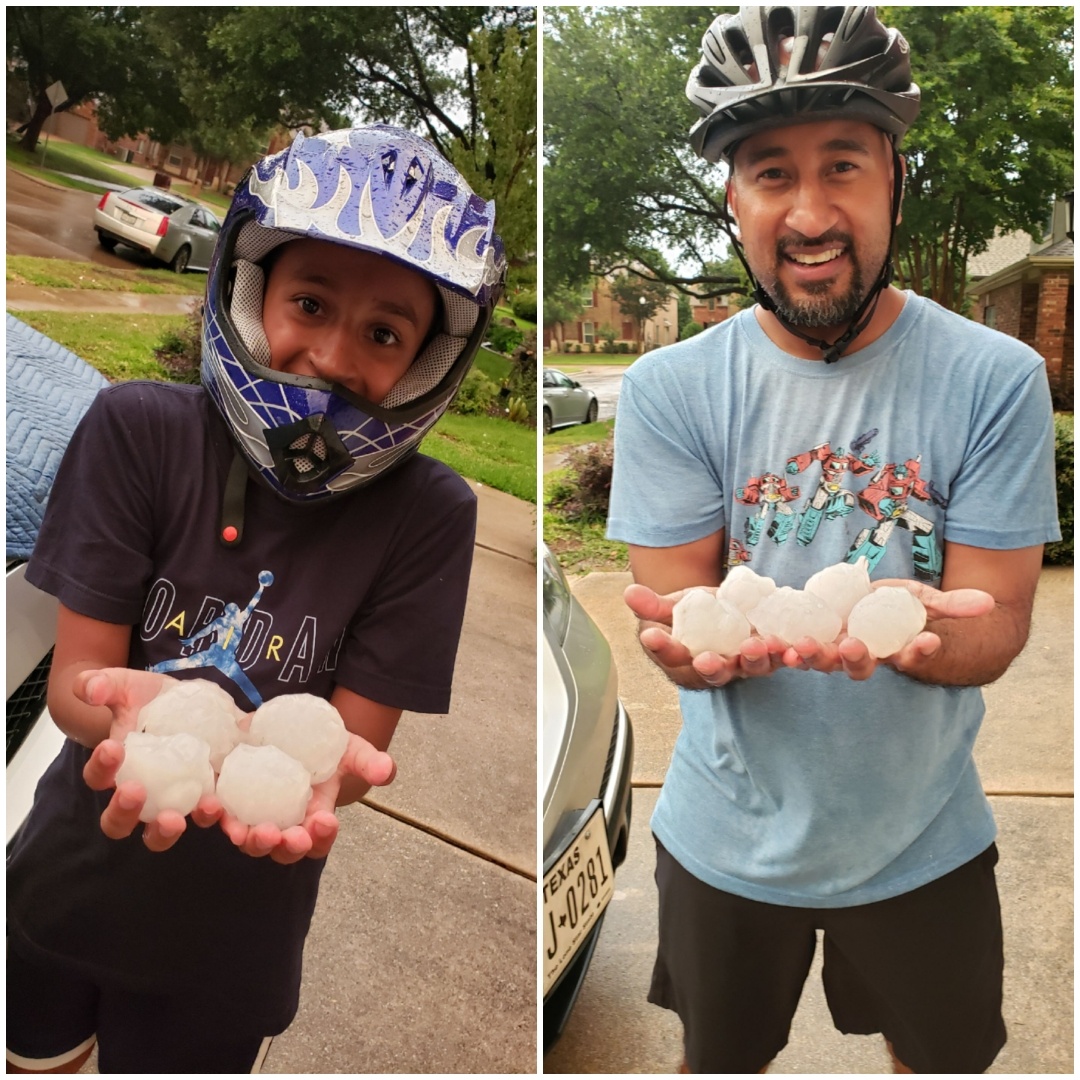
[547, 421]
[594, 411]
[107, 242]
[180, 260]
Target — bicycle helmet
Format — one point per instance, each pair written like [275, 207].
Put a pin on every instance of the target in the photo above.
[382, 190]
[770, 67]
[773, 66]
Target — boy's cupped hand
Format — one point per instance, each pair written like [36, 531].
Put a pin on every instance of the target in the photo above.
[315, 836]
[124, 692]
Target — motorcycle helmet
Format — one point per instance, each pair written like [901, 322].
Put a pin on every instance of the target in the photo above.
[772, 66]
[383, 190]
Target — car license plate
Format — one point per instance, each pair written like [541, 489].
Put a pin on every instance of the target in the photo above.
[577, 889]
[128, 219]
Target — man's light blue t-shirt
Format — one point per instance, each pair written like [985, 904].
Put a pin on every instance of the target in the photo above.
[802, 788]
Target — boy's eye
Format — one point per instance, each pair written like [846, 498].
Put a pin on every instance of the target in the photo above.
[309, 306]
[383, 335]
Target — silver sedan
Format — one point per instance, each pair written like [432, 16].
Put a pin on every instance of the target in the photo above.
[566, 401]
[175, 230]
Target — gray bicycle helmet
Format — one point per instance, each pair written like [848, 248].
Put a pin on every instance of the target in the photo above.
[773, 66]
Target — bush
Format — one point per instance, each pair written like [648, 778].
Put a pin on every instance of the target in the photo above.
[622, 348]
[476, 395]
[1061, 551]
[524, 306]
[180, 351]
[520, 383]
[505, 339]
[584, 496]
[689, 329]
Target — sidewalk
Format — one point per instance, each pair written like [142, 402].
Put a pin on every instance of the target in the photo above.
[1024, 755]
[99, 301]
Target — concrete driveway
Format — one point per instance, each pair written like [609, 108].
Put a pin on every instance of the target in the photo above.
[1025, 758]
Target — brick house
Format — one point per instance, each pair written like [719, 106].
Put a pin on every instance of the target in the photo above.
[1025, 290]
[713, 310]
[600, 313]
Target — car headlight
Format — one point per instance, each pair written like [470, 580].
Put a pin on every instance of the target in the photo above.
[556, 596]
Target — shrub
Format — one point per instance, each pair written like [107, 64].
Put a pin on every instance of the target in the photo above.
[622, 348]
[504, 339]
[520, 383]
[476, 395]
[1061, 551]
[524, 306]
[584, 496]
[689, 329]
[180, 351]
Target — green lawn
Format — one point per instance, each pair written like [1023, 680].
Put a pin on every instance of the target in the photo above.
[507, 313]
[579, 435]
[119, 346]
[579, 546]
[495, 452]
[573, 362]
[493, 365]
[68, 274]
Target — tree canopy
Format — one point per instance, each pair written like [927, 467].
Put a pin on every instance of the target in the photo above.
[219, 78]
[990, 150]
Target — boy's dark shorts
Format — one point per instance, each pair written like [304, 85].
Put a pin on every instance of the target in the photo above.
[923, 968]
[54, 1016]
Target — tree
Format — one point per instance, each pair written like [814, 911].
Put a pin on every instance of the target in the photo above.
[501, 162]
[993, 142]
[562, 304]
[990, 149]
[639, 298]
[96, 52]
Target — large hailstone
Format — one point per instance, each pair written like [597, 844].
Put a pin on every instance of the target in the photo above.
[841, 586]
[745, 589]
[196, 707]
[307, 728]
[886, 620]
[262, 784]
[705, 622]
[791, 614]
[175, 770]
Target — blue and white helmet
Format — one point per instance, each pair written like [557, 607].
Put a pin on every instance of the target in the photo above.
[379, 189]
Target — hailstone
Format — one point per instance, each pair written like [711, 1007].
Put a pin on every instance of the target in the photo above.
[841, 586]
[705, 622]
[886, 620]
[745, 589]
[307, 728]
[174, 769]
[791, 614]
[262, 784]
[196, 707]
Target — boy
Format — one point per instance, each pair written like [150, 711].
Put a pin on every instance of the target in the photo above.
[192, 530]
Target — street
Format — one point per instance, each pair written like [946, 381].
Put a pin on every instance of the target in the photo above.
[604, 382]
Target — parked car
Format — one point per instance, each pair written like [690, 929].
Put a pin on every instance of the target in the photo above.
[175, 230]
[588, 752]
[48, 390]
[566, 401]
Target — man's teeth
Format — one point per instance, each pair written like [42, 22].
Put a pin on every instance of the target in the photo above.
[813, 260]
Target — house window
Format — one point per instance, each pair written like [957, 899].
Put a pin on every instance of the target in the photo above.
[588, 331]
[175, 160]
[712, 303]
[587, 298]
[990, 316]
[627, 331]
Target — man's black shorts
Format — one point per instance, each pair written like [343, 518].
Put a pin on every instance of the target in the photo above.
[923, 968]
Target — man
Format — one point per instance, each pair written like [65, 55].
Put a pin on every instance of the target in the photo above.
[795, 801]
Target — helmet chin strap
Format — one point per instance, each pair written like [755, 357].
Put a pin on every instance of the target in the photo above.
[832, 351]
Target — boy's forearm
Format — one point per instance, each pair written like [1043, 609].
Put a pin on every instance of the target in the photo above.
[87, 725]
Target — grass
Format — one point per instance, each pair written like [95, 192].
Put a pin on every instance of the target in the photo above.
[507, 313]
[119, 346]
[579, 435]
[574, 362]
[495, 452]
[494, 366]
[580, 546]
[68, 274]
[92, 165]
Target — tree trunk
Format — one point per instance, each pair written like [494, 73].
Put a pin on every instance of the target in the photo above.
[42, 111]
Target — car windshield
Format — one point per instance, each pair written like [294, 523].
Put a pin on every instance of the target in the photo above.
[155, 200]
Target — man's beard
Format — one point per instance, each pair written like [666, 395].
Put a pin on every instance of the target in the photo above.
[819, 309]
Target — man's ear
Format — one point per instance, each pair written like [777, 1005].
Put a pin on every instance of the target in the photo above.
[903, 182]
[731, 197]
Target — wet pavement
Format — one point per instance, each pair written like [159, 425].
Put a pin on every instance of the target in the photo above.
[37, 298]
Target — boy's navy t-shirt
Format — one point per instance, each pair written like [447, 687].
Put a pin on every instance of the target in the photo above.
[367, 592]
